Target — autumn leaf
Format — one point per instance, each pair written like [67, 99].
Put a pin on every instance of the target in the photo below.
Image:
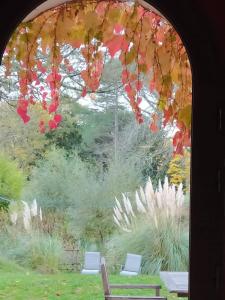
[185, 115]
[150, 52]
[52, 124]
[57, 118]
[154, 124]
[117, 43]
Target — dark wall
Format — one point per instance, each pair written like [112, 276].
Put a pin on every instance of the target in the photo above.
[201, 24]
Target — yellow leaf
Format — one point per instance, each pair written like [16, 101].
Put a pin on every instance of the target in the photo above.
[91, 20]
[130, 56]
[164, 59]
[184, 115]
[114, 15]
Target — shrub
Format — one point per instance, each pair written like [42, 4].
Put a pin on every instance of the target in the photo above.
[36, 251]
[11, 179]
[82, 192]
[9, 266]
[55, 182]
[45, 253]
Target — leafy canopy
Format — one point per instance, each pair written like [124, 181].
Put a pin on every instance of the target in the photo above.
[148, 47]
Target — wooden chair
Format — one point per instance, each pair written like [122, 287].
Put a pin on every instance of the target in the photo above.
[107, 288]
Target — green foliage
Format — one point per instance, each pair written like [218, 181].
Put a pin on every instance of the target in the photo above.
[98, 133]
[67, 136]
[7, 266]
[35, 251]
[151, 152]
[24, 144]
[11, 179]
[91, 215]
[85, 194]
[59, 177]
[165, 248]
[44, 254]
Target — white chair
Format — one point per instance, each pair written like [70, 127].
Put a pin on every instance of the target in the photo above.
[92, 262]
[132, 265]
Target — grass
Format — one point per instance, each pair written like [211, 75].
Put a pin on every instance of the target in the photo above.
[25, 285]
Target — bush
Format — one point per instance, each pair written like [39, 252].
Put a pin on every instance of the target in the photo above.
[11, 179]
[37, 251]
[55, 181]
[85, 194]
[8, 266]
[45, 253]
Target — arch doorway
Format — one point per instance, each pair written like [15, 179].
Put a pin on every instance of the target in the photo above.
[206, 219]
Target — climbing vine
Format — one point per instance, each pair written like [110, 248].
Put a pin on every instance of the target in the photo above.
[149, 49]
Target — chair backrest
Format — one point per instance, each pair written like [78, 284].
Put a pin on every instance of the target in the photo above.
[105, 280]
[133, 263]
[92, 260]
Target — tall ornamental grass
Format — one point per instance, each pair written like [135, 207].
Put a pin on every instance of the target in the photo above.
[36, 251]
[152, 225]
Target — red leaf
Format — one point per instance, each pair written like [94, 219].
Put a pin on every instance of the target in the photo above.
[84, 92]
[128, 88]
[44, 105]
[167, 116]
[118, 28]
[116, 44]
[52, 107]
[37, 82]
[139, 85]
[154, 125]
[42, 126]
[70, 69]
[179, 149]
[152, 86]
[44, 95]
[40, 67]
[23, 86]
[125, 76]
[52, 124]
[177, 138]
[49, 78]
[23, 114]
[31, 100]
[139, 100]
[34, 76]
[57, 118]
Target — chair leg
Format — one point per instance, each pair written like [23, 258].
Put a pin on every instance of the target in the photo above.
[157, 291]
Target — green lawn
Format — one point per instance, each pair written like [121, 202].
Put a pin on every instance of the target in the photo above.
[64, 286]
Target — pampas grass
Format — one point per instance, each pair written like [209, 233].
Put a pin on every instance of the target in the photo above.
[152, 225]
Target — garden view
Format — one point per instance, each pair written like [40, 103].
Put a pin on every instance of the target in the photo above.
[95, 150]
